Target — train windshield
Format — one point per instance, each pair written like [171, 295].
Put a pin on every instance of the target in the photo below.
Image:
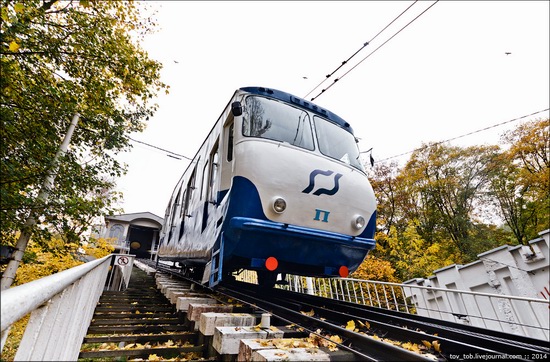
[337, 143]
[266, 118]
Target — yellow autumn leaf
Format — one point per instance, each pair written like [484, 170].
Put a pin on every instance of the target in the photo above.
[366, 324]
[427, 344]
[331, 346]
[153, 357]
[14, 46]
[19, 7]
[437, 346]
[137, 312]
[169, 343]
[350, 326]
[411, 346]
[311, 313]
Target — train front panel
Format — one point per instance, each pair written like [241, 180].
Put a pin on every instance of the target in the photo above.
[300, 201]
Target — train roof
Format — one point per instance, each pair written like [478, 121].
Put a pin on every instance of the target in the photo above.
[289, 98]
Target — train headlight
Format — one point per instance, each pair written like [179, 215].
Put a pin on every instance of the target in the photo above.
[279, 205]
[358, 222]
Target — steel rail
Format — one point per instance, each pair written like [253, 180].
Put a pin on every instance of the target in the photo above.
[376, 350]
[363, 346]
[456, 338]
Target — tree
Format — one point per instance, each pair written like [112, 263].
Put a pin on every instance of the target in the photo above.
[59, 59]
[448, 186]
[374, 268]
[385, 184]
[520, 180]
[414, 257]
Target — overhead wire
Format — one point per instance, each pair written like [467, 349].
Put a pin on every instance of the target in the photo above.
[364, 45]
[375, 50]
[464, 135]
[168, 153]
[179, 156]
[175, 155]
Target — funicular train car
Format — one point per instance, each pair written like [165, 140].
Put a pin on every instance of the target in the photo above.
[276, 187]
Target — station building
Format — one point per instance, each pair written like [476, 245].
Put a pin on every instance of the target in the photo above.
[134, 233]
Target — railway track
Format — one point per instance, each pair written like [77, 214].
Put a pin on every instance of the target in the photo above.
[375, 334]
[442, 340]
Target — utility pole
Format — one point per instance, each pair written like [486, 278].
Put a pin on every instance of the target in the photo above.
[17, 256]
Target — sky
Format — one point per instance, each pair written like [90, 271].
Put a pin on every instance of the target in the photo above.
[458, 68]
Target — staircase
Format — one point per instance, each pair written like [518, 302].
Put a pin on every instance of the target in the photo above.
[138, 323]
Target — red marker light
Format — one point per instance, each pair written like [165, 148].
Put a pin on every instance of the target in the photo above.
[271, 263]
[343, 271]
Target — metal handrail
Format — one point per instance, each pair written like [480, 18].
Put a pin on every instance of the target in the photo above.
[19, 301]
[61, 307]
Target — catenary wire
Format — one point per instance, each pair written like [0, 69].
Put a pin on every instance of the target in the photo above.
[464, 135]
[374, 51]
[177, 155]
[169, 153]
[364, 45]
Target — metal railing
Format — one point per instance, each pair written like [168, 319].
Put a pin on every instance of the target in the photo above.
[61, 307]
[506, 313]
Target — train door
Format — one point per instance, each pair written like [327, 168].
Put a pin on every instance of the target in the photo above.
[210, 183]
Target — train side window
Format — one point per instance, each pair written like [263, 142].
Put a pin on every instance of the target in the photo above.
[214, 168]
[186, 199]
[230, 142]
[204, 186]
[182, 213]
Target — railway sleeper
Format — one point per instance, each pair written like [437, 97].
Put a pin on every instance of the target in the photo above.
[230, 336]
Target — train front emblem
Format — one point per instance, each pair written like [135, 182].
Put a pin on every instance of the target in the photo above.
[322, 215]
[322, 191]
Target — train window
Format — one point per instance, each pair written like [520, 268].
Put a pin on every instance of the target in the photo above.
[230, 142]
[186, 197]
[214, 168]
[182, 212]
[204, 180]
[277, 121]
[337, 143]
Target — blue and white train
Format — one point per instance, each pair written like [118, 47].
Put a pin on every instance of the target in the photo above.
[276, 187]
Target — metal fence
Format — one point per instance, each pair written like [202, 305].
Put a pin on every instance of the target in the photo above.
[511, 314]
[61, 307]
